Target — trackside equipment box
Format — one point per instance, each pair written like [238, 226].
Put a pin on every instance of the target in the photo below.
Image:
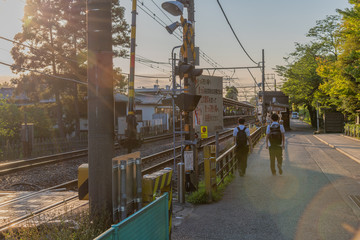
[83, 181]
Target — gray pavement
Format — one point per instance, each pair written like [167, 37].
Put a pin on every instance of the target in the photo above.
[309, 201]
[346, 145]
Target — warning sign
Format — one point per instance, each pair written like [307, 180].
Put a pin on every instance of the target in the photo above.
[204, 132]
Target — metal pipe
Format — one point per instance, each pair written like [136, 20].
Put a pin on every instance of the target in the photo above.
[115, 193]
[138, 184]
[181, 182]
[123, 189]
[173, 62]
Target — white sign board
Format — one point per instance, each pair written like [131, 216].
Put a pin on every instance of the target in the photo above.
[209, 111]
[189, 160]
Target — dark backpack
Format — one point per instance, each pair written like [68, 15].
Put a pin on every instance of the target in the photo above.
[241, 137]
[275, 136]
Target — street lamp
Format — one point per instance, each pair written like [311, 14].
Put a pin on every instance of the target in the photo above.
[175, 8]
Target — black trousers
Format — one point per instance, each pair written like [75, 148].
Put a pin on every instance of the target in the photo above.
[275, 152]
[242, 155]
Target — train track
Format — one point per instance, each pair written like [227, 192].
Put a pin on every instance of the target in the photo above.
[71, 184]
[20, 165]
[34, 196]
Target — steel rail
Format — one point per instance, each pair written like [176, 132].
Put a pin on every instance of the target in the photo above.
[21, 165]
[28, 216]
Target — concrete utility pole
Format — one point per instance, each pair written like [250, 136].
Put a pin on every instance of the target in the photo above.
[192, 90]
[100, 106]
[263, 87]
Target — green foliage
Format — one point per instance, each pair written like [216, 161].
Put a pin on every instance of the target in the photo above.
[231, 92]
[56, 32]
[331, 74]
[38, 115]
[72, 226]
[200, 196]
[10, 121]
[342, 75]
[352, 130]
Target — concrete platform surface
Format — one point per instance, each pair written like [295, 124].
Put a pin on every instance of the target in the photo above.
[310, 200]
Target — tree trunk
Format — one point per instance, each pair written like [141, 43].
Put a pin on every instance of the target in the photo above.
[59, 114]
[56, 85]
[312, 113]
[77, 115]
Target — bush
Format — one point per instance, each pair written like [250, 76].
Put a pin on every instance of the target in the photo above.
[200, 196]
[77, 226]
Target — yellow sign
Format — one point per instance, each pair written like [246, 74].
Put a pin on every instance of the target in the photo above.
[204, 132]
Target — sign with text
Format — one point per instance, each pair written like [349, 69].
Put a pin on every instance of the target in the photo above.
[209, 111]
[189, 160]
[204, 132]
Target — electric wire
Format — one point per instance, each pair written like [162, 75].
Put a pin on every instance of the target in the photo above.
[45, 74]
[227, 20]
[34, 49]
[167, 16]
[163, 24]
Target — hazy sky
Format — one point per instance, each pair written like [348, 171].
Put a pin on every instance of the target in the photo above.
[263, 24]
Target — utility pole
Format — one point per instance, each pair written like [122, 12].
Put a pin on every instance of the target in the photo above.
[263, 87]
[131, 133]
[192, 90]
[100, 106]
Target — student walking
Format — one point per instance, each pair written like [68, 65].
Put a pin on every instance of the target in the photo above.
[275, 142]
[243, 145]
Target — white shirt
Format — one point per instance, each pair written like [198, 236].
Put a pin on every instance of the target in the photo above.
[247, 131]
[282, 129]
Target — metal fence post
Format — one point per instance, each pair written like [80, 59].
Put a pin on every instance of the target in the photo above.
[181, 182]
[115, 191]
[123, 189]
[207, 169]
[217, 143]
[138, 184]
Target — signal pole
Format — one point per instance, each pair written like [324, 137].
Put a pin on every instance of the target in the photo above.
[100, 106]
[263, 87]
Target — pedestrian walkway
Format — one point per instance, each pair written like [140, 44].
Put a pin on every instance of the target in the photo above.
[309, 201]
[344, 144]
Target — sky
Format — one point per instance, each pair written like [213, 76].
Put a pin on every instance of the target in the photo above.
[262, 24]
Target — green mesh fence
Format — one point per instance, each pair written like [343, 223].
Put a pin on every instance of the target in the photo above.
[151, 223]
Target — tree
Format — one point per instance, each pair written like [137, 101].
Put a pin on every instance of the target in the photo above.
[10, 121]
[231, 92]
[342, 75]
[55, 31]
[302, 81]
[38, 115]
[326, 34]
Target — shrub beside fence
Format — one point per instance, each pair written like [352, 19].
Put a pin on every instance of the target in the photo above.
[352, 130]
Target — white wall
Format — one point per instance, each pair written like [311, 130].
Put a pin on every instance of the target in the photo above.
[147, 111]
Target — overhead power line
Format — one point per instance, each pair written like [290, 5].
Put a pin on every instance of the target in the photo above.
[235, 33]
[162, 23]
[45, 74]
[32, 48]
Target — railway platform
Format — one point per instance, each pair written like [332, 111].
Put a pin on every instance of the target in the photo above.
[317, 196]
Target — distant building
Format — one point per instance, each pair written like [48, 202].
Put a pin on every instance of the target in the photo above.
[277, 102]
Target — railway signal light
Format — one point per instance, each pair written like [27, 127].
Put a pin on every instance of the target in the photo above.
[187, 102]
[188, 69]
